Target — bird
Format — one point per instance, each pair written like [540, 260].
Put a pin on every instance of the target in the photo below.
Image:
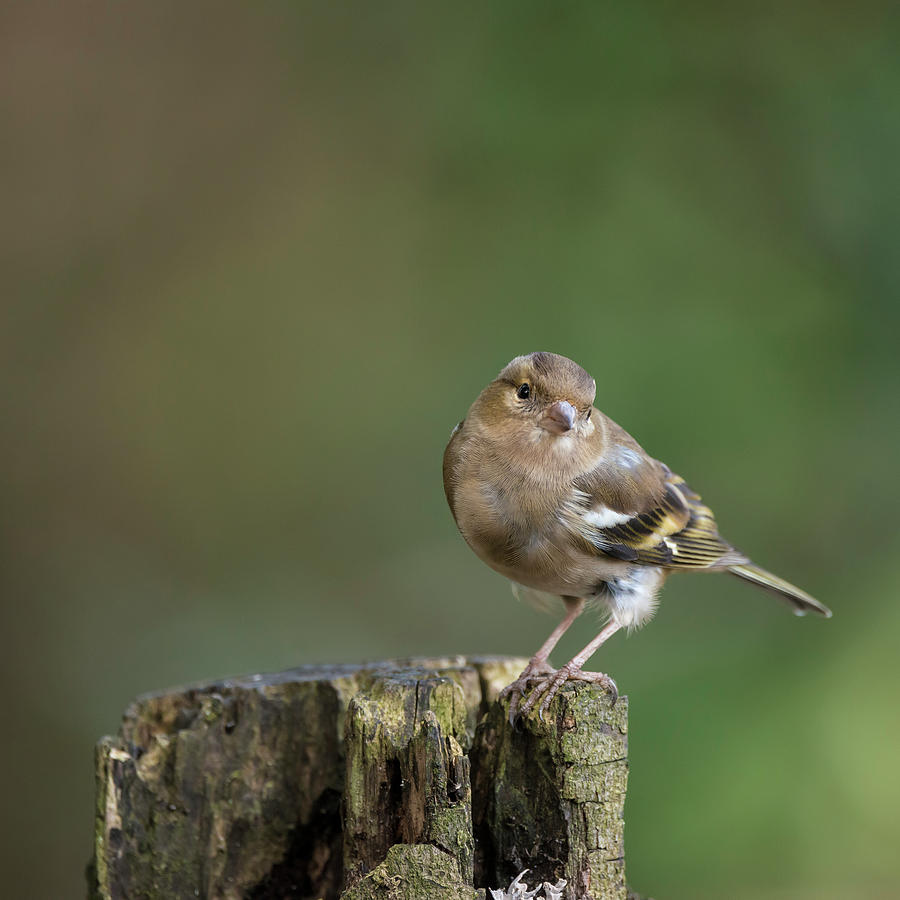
[562, 501]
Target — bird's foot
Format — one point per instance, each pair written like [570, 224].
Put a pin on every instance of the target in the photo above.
[536, 670]
[549, 685]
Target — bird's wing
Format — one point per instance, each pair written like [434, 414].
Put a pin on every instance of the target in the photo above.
[651, 517]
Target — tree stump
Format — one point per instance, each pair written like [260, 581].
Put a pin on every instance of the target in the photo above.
[393, 780]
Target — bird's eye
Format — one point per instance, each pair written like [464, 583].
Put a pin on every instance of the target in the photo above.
[524, 391]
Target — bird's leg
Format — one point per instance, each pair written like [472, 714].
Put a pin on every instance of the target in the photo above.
[538, 666]
[546, 690]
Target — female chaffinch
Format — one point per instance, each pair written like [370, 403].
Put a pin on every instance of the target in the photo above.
[554, 495]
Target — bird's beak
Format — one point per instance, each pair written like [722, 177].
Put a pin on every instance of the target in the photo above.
[560, 417]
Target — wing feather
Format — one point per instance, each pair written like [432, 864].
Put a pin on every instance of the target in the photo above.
[667, 523]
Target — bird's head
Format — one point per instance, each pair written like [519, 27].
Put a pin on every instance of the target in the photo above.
[536, 397]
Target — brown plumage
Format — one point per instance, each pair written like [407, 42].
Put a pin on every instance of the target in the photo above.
[557, 497]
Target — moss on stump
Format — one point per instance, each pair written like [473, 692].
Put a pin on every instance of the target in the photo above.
[399, 780]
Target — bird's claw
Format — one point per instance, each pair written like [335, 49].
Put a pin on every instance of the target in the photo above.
[534, 671]
[598, 678]
[549, 686]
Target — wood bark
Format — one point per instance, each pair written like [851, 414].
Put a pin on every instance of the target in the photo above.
[391, 780]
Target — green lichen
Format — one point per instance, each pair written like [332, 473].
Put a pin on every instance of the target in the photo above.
[412, 872]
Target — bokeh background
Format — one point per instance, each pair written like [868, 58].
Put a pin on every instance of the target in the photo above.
[259, 258]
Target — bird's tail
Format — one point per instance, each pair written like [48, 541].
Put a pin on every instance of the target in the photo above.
[799, 600]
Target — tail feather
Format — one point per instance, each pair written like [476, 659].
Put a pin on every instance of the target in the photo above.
[800, 600]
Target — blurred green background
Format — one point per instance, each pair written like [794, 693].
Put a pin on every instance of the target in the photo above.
[259, 260]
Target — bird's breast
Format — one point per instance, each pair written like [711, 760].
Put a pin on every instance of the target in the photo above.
[522, 535]
[498, 522]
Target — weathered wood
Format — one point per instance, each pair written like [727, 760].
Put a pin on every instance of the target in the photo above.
[360, 782]
[406, 768]
[550, 795]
